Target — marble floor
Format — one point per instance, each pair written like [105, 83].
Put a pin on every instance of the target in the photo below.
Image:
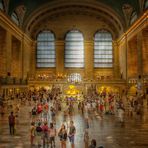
[108, 131]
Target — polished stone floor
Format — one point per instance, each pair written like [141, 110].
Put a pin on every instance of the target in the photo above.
[108, 131]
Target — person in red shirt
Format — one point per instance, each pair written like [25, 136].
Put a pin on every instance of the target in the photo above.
[39, 108]
[45, 129]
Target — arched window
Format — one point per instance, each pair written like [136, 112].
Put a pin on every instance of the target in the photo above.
[46, 49]
[74, 49]
[103, 51]
[1, 5]
[15, 18]
[133, 17]
[146, 4]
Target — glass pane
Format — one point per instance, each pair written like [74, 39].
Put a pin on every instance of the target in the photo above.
[74, 49]
[45, 65]
[133, 17]
[74, 65]
[1, 5]
[74, 35]
[15, 18]
[73, 60]
[46, 49]
[103, 56]
[74, 56]
[103, 65]
[146, 4]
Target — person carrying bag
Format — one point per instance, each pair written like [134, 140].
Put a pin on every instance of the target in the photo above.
[62, 134]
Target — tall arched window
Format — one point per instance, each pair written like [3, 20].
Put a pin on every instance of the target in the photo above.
[1, 5]
[46, 49]
[146, 4]
[133, 17]
[15, 18]
[74, 49]
[103, 51]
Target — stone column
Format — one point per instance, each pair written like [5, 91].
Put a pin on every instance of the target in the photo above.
[3, 71]
[21, 59]
[139, 52]
[89, 59]
[140, 65]
[33, 60]
[8, 47]
[18, 56]
[27, 55]
[116, 60]
[144, 52]
[23, 66]
[59, 56]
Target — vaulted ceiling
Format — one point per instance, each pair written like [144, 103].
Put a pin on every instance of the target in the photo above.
[32, 5]
[115, 13]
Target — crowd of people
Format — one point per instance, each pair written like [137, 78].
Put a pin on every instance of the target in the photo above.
[46, 105]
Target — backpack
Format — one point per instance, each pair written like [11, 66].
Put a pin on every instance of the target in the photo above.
[33, 111]
[38, 129]
[65, 136]
[62, 136]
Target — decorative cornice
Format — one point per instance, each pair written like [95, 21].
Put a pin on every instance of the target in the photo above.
[141, 23]
[7, 24]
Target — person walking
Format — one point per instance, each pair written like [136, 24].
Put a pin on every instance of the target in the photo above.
[11, 119]
[32, 133]
[39, 132]
[86, 138]
[52, 134]
[71, 135]
[63, 136]
[121, 115]
[53, 115]
[45, 137]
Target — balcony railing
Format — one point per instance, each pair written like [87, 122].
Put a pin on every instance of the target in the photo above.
[12, 81]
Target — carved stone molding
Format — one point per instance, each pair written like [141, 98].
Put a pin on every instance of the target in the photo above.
[127, 10]
[21, 10]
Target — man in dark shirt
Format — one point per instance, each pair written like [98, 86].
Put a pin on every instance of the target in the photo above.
[72, 131]
[11, 119]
